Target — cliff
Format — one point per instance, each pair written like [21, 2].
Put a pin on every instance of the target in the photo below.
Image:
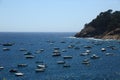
[105, 26]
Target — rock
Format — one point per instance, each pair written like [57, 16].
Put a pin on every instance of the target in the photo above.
[105, 26]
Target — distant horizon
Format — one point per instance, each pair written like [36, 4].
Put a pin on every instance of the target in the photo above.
[51, 15]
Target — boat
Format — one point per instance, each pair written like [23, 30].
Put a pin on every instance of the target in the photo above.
[103, 49]
[40, 70]
[22, 65]
[56, 51]
[7, 44]
[86, 61]
[64, 50]
[56, 54]
[27, 53]
[41, 66]
[6, 49]
[67, 57]
[94, 56]
[56, 48]
[77, 48]
[66, 65]
[88, 51]
[29, 56]
[13, 71]
[19, 74]
[84, 54]
[22, 49]
[60, 62]
[70, 46]
[1, 67]
[109, 54]
[87, 47]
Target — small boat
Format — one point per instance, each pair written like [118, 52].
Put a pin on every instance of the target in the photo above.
[84, 54]
[1, 67]
[29, 56]
[67, 57]
[41, 66]
[27, 53]
[6, 49]
[22, 65]
[39, 51]
[13, 71]
[87, 47]
[66, 65]
[60, 62]
[109, 54]
[64, 50]
[56, 48]
[40, 70]
[86, 61]
[39, 62]
[77, 48]
[88, 51]
[94, 56]
[56, 54]
[7, 44]
[63, 42]
[22, 49]
[70, 46]
[103, 49]
[56, 51]
[19, 74]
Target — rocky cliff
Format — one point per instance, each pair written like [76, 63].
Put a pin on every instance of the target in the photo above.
[105, 26]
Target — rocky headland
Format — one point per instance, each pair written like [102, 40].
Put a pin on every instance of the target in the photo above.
[105, 26]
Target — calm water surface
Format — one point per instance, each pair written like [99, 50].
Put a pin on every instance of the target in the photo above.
[104, 68]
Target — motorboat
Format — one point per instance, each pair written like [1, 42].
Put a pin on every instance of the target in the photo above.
[67, 57]
[94, 56]
[19, 74]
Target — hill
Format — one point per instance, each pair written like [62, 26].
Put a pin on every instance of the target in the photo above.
[105, 26]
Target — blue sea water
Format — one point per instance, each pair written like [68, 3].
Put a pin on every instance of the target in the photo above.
[104, 68]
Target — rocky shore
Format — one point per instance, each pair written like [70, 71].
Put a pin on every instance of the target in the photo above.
[105, 26]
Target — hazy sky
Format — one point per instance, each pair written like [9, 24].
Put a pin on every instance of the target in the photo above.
[50, 15]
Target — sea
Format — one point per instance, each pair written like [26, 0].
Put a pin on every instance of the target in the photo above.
[104, 65]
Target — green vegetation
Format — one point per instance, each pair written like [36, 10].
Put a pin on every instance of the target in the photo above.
[107, 22]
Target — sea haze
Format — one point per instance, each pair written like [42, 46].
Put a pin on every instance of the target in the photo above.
[106, 67]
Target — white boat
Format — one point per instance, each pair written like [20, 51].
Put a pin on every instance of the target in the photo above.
[22, 49]
[6, 49]
[56, 51]
[109, 54]
[40, 70]
[86, 61]
[94, 56]
[29, 56]
[67, 57]
[56, 54]
[1, 67]
[41, 66]
[103, 49]
[84, 54]
[61, 62]
[22, 65]
[88, 51]
[19, 74]
[64, 50]
[66, 65]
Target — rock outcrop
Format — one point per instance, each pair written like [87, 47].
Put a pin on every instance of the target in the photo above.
[105, 26]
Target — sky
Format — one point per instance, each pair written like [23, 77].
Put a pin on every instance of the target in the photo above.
[51, 15]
